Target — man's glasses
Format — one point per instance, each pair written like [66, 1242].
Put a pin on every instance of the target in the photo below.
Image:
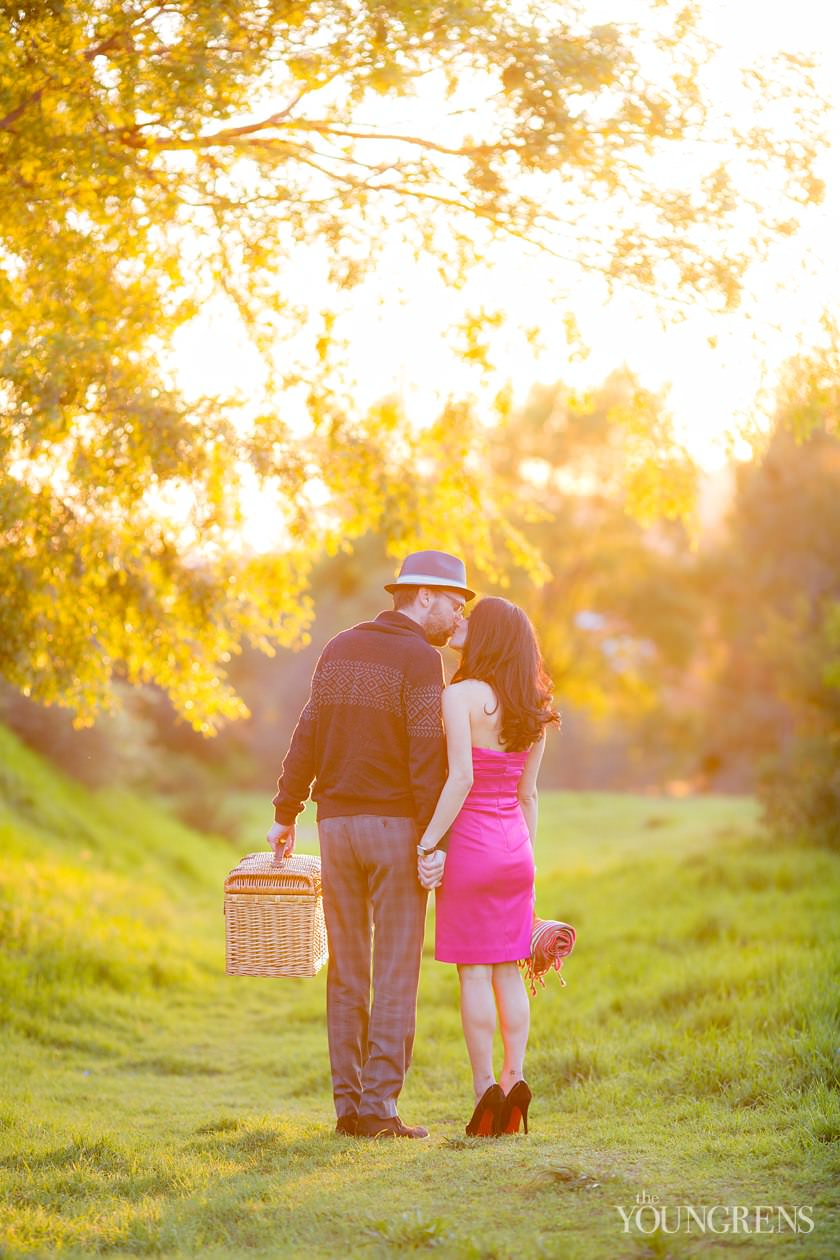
[457, 604]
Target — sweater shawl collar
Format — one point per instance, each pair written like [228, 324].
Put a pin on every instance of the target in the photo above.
[392, 620]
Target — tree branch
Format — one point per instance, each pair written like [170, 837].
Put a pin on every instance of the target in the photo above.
[326, 128]
[230, 135]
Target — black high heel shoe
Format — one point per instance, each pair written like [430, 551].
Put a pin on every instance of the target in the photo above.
[485, 1120]
[515, 1109]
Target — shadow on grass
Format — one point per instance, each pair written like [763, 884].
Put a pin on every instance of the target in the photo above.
[578, 1065]
[55, 1036]
[97, 1155]
[262, 1147]
[171, 1065]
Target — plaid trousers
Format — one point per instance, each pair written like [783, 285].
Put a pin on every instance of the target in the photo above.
[374, 907]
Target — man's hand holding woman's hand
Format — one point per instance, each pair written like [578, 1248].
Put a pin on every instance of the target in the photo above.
[430, 869]
[281, 838]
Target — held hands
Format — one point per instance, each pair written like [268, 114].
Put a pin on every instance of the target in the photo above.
[430, 869]
[281, 839]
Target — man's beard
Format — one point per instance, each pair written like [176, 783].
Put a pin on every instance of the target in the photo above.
[438, 638]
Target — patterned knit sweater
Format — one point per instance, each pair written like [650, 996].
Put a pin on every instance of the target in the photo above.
[371, 734]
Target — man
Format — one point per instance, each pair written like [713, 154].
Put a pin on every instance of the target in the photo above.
[371, 737]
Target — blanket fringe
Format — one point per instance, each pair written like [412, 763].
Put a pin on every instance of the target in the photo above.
[545, 957]
[532, 976]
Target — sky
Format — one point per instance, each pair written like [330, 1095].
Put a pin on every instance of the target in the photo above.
[396, 328]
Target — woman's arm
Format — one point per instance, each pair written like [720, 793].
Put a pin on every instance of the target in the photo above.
[456, 721]
[527, 790]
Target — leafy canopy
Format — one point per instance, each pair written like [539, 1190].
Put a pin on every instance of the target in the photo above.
[155, 156]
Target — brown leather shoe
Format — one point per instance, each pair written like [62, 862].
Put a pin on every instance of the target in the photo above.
[388, 1127]
[346, 1125]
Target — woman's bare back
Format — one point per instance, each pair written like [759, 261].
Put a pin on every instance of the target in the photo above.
[485, 714]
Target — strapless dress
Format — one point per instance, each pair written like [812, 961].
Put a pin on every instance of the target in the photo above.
[485, 905]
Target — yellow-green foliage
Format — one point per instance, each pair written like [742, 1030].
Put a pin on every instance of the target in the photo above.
[158, 161]
[153, 1106]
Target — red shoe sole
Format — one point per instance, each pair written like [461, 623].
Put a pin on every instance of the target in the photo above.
[485, 1125]
[514, 1121]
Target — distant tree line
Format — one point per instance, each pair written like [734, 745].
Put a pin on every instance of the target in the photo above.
[678, 665]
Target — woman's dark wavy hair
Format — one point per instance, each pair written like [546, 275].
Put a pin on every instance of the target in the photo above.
[501, 649]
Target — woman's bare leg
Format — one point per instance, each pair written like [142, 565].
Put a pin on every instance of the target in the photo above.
[478, 1019]
[515, 1020]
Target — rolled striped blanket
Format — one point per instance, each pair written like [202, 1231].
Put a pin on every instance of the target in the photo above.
[551, 942]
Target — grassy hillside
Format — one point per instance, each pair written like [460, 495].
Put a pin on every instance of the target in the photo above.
[153, 1106]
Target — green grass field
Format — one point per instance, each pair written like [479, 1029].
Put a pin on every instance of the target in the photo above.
[153, 1106]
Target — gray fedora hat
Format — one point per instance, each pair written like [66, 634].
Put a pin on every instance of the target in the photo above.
[432, 568]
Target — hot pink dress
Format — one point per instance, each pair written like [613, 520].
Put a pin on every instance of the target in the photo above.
[484, 908]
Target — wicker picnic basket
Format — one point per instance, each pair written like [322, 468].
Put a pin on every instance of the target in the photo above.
[274, 917]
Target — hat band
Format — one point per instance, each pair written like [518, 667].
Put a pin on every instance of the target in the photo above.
[425, 579]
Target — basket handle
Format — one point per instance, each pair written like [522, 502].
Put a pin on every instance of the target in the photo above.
[279, 843]
[309, 880]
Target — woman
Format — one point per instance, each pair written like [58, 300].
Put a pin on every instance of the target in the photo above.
[495, 711]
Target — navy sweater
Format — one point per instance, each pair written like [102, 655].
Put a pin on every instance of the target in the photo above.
[371, 734]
